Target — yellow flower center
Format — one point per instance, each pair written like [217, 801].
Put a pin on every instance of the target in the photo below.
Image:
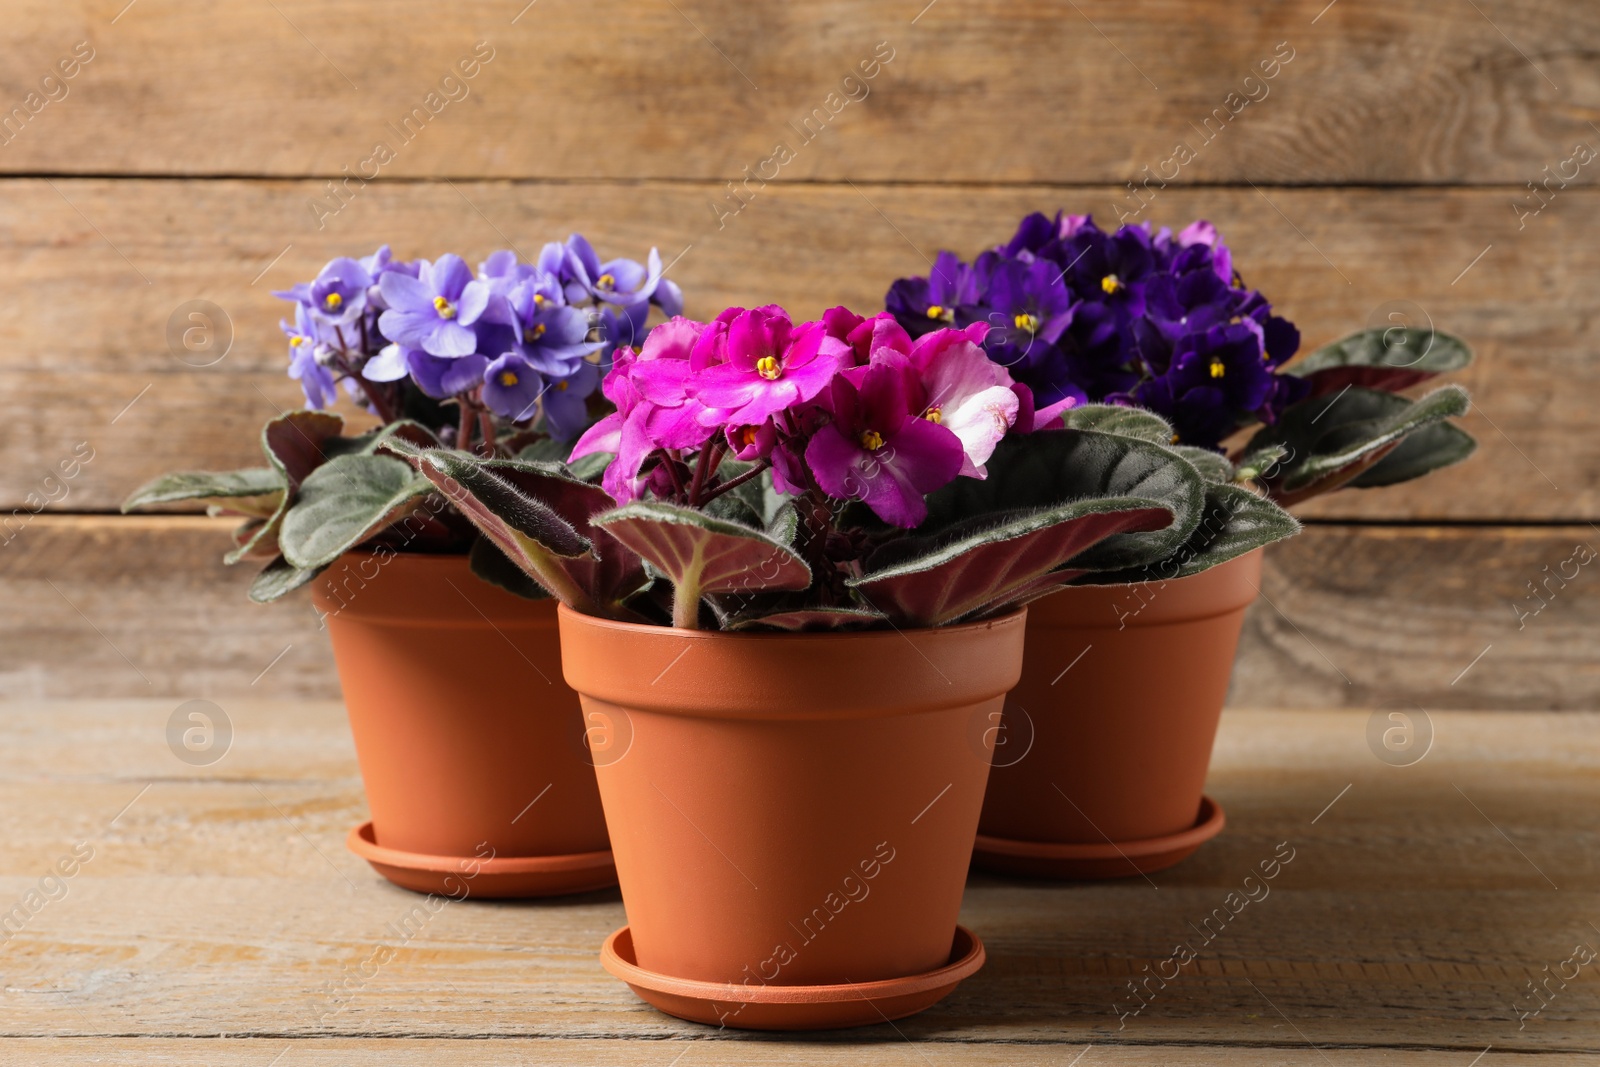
[538, 298]
[768, 368]
[508, 378]
[934, 415]
[296, 341]
[537, 331]
[1027, 322]
[606, 281]
[872, 440]
[333, 300]
[445, 309]
[747, 436]
[1217, 369]
[1111, 284]
[935, 311]
[1174, 439]
[561, 387]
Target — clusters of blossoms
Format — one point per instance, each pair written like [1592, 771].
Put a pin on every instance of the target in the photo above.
[1131, 318]
[843, 408]
[515, 341]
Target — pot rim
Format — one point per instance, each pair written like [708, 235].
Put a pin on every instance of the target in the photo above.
[601, 622]
[782, 675]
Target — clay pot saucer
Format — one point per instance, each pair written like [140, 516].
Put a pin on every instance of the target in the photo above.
[1107, 859]
[498, 878]
[793, 1007]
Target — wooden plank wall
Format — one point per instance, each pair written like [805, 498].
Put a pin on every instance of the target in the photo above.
[207, 152]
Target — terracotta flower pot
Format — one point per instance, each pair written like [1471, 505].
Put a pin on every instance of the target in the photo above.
[470, 743]
[792, 814]
[1102, 755]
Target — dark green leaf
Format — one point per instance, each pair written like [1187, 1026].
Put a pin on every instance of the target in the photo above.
[1387, 359]
[1334, 439]
[1428, 449]
[1236, 521]
[987, 565]
[700, 554]
[810, 619]
[280, 577]
[518, 518]
[1045, 470]
[1213, 466]
[367, 444]
[1128, 422]
[344, 502]
[253, 491]
[493, 566]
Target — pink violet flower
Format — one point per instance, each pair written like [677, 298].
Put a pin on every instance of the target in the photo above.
[653, 410]
[965, 392]
[771, 366]
[877, 449]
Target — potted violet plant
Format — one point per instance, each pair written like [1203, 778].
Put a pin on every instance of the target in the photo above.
[794, 601]
[473, 788]
[1107, 738]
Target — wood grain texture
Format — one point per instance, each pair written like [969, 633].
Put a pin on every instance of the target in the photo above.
[1332, 261]
[1018, 92]
[1356, 616]
[220, 901]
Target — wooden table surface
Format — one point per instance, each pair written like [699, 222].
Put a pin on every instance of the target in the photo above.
[215, 917]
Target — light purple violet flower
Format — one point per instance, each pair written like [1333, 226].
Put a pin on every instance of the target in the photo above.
[434, 312]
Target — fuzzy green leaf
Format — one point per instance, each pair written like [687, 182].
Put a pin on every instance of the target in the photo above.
[253, 491]
[278, 578]
[1387, 359]
[344, 502]
[519, 517]
[1029, 472]
[1428, 449]
[1125, 421]
[984, 566]
[1334, 439]
[700, 554]
[494, 567]
[1213, 466]
[1236, 521]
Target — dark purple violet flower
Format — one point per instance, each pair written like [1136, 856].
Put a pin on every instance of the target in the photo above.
[923, 305]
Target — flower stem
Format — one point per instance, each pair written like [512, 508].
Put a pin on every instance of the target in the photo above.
[486, 424]
[734, 483]
[710, 460]
[464, 427]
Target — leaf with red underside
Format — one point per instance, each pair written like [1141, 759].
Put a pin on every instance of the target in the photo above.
[296, 442]
[607, 571]
[700, 554]
[985, 566]
[1384, 359]
[1334, 440]
[522, 525]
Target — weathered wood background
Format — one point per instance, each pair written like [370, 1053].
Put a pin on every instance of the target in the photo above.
[1386, 167]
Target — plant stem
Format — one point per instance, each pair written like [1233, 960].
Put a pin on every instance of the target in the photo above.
[734, 483]
[686, 606]
[710, 459]
[464, 427]
[486, 424]
[670, 460]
